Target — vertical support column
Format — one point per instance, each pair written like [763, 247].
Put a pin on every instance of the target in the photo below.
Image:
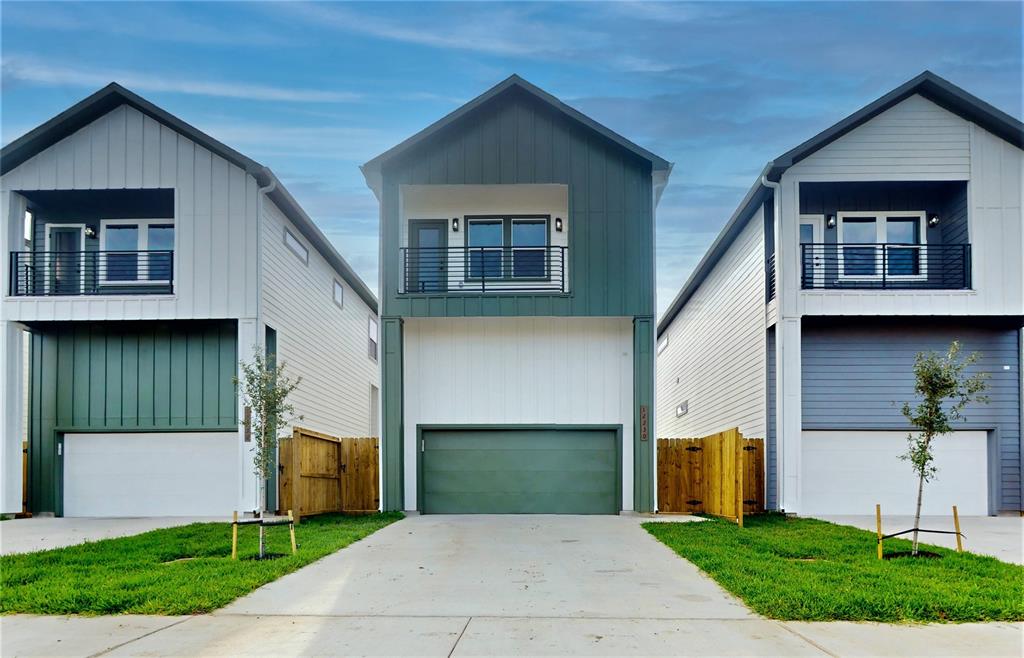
[250, 343]
[11, 415]
[392, 411]
[643, 414]
[788, 397]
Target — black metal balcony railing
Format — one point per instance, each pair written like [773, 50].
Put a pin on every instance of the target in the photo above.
[56, 273]
[483, 269]
[886, 266]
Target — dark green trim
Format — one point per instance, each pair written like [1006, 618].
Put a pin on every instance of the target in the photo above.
[429, 427]
[91, 377]
[270, 347]
[392, 415]
[643, 395]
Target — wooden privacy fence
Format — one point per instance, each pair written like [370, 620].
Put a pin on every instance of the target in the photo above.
[721, 474]
[322, 474]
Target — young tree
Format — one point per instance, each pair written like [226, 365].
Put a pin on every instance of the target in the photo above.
[945, 388]
[265, 389]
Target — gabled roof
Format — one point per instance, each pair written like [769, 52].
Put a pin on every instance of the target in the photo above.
[936, 89]
[371, 170]
[113, 96]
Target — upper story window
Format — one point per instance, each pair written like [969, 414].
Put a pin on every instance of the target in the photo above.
[339, 294]
[663, 345]
[136, 251]
[892, 244]
[372, 334]
[508, 247]
[296, 246]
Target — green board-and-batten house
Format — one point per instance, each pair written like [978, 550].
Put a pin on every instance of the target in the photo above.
[518, 301]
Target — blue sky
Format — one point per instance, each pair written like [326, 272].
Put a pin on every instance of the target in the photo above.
[313, 90]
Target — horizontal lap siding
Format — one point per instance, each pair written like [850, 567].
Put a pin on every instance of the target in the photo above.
[611, 228]
[215, 216]
[324, 344]
[125, 376]
[716, 348]
[858, 377]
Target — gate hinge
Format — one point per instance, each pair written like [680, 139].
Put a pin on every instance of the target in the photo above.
[694, 502]
[749, 448]
[749, 502]
[693, 448]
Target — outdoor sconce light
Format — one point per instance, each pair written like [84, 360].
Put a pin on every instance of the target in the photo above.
[830, 221]
[90, 232]
[933, 221]
[455, 224]
[558, 224]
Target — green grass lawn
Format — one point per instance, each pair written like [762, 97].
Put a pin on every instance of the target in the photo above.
[173, 571]
[805, 569]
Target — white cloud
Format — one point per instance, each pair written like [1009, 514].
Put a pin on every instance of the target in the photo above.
[28, 69]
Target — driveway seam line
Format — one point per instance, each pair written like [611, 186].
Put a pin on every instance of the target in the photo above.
[807, 639]
[155, 630]
[459, 638]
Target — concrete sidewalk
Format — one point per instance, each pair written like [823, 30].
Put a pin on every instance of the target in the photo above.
[510, 585]
[43, 533]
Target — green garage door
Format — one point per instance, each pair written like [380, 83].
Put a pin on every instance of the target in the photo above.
[522, 471]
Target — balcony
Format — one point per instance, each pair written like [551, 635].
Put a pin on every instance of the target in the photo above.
[482, 270]
[885, 266]
[73, 273]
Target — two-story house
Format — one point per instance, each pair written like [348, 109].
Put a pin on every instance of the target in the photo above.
[517, 291]
[143, 260]
[895, 231]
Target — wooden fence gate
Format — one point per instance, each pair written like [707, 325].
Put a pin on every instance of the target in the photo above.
[721, 474]
[322, 474]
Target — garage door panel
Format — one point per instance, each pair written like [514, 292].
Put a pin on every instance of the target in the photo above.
[848, 472]
[150, 474]
[520, 471]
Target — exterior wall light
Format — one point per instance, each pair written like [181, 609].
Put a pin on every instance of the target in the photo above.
[455, 224]
[933, 221]
[90, 232]
[830, 221]
[558, 224]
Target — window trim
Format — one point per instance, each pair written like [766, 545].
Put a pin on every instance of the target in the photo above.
[304, 254]
[142, 244]
[881, 218]
[507, 220]
[373, 346]
[334, 290]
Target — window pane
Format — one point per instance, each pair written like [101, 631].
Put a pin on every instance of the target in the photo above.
[160, 238]
[532, 233]
[339, 294]
[903, 230]
[806, 233]
[859, 230]
[122, 267]
[297, 247]
[485, 263]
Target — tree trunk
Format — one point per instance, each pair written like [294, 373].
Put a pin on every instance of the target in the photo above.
[263, 507]
[917, 513]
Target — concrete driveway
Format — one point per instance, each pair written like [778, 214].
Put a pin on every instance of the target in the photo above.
[486, 585]
[1001, 537]
[42, 533]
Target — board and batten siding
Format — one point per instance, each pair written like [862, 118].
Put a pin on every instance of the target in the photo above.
[501, 371]
[715, 356]
[522, 141]
[125, 376]
[325, 344]
[917, 140]
[215, 211]
[856, 377]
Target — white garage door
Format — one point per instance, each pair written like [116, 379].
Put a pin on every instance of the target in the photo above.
[151, 474]
[849, 472]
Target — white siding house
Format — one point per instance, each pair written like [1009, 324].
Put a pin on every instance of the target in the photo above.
[895, 231]
[140, 272]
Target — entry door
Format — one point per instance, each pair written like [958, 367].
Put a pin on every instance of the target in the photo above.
[427, 266]
[65, 260]
[812, 258]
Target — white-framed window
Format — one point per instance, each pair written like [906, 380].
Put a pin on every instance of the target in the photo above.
[663, 344]
[28, 223]
[296, 246]
[339, 294]
[372, 334]
[136, 251]
[889, 244]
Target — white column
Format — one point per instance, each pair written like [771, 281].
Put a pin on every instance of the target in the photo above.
[250, 340]
[11, 414]
[788, 400]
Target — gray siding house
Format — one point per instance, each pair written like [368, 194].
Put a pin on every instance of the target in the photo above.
[142, 260]
[517, 286]
[897, 230]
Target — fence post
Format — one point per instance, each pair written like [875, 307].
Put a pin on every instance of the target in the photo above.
[296, 473]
